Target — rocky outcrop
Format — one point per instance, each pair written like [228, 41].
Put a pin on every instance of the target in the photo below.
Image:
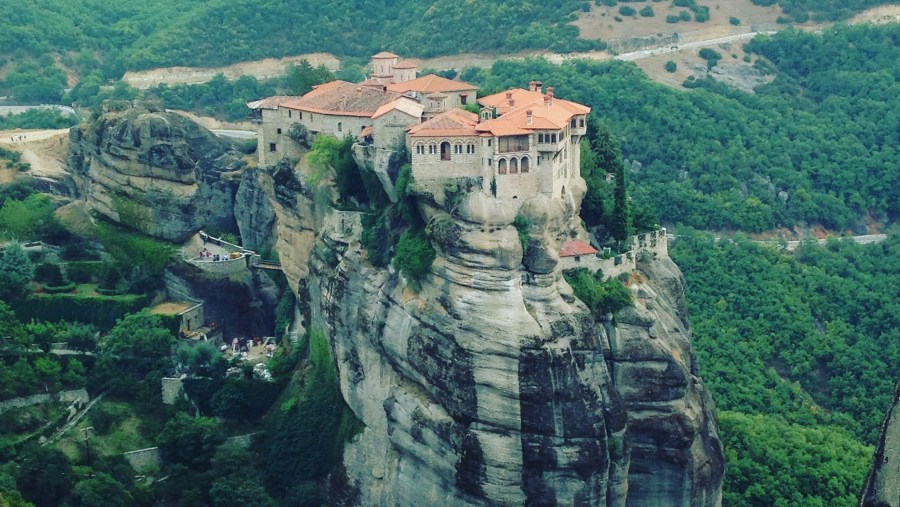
[489, 383]
[676, 454]
[155, 171]
[882, 487]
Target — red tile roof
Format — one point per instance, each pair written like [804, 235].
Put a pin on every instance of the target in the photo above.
[576, 247]
[454, 122]
[405, 65]
[431, 83]
[366, 132]
[553, 114]
[343, 99]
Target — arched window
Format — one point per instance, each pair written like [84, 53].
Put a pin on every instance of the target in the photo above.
[501, 166]
[562, 193]
[513, 166]
[525, 164]
[470, 148]
[445, 150]
[420, 149]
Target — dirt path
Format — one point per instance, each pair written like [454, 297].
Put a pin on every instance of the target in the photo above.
[260, 69]
[45, 150]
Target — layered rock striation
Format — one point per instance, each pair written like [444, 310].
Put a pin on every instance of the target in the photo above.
[155, 171]
[489, 383]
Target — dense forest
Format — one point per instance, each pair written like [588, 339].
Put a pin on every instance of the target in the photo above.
[806, 342]
[817, 146]
[98, 41]
[113, 36]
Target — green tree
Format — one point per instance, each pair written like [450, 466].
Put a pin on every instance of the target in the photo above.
[414, 254]
[16, 271]
[101, 489]
[44, 475]
[190, 441]
[302, 77]
[671, 66]
[48, 370]
[138, 345]
[609, 159]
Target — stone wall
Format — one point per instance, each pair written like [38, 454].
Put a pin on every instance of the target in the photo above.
[67, 397]
[144, 460]
[171, 389]
[654, 243]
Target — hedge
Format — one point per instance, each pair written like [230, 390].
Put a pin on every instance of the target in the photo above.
[87, 271]
[59, 289]
[101, 311]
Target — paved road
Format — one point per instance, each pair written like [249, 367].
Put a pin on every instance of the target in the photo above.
[671, 48]
[863, 239]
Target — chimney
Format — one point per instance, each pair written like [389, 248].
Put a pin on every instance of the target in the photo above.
[548, 99]
[530, 117]
[532, 86]
[509, 99]
[539, 86]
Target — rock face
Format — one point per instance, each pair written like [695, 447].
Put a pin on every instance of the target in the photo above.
[155, 171]
[485, 383]
[883, 484]
[489, 383]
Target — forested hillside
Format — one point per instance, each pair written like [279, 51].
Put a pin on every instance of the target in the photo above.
[806, 342]
[138, 35]
[817, 146]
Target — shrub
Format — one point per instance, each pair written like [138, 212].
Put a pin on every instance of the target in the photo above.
[103, 417]
[672, 19]
[646, 12]
[59, 289]
[684, 16]
[627, 11]
[684, 3]
[49, 274]
[602, 297]
[701, 14]
[414, 254]
[671, 66]
[523, 226]
[101, 311]
[734, 21]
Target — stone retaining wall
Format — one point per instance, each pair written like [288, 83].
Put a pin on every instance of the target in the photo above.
[67, 397]
[654, 242]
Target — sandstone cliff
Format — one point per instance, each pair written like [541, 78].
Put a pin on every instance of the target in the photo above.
[485, 383]
[155, 171]
[489, 383]
[882, 487]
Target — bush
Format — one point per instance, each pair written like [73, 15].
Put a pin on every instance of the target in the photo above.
[701, 14]
[684, 16]
[672, 19]
[59, 289]
[627, 11]
[48, 274]
[414, 254]
[647, 12]
[523, 226]
[734, 21]
[86, 272]
[103, 417]
[101, 311]
[671, 66]
[602, 297]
